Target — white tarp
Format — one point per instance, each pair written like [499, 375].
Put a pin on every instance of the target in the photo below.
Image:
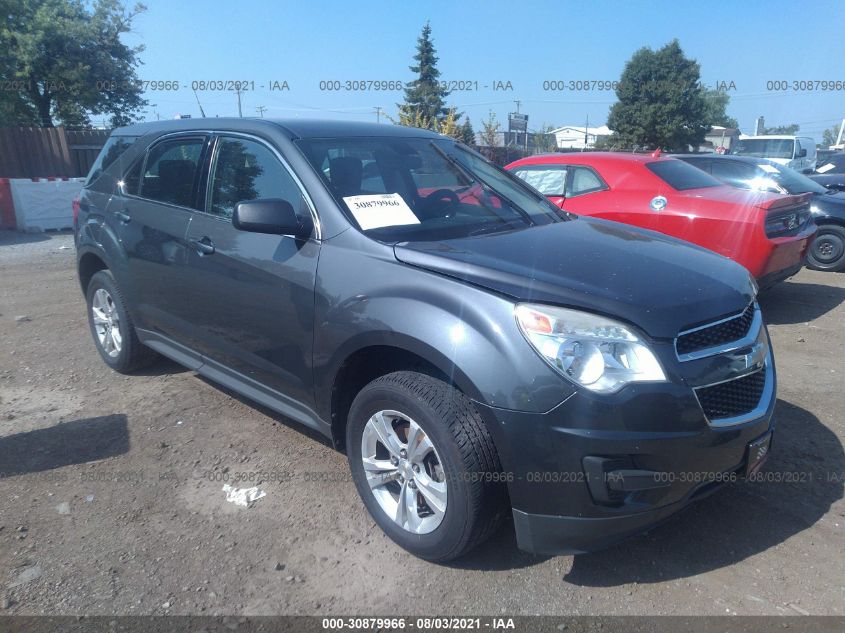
[46, 204]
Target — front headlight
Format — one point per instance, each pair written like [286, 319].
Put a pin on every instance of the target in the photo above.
[600, 354]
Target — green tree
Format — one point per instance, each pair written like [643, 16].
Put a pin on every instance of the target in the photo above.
[543, 140]
[467, 133]
[792, 128]
[425, 96]
[661, 101]
[830, 135]
[490, 130]
[67, 58]
[716, 112]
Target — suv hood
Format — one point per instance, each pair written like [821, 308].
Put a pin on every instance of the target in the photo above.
[658, 283]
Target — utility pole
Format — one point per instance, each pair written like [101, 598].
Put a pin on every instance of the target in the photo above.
[378, 113]
[238, 91]
[518, 103]
[260, 110]
[586, 137]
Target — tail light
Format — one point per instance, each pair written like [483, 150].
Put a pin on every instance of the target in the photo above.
[75, 205]
[787, 216]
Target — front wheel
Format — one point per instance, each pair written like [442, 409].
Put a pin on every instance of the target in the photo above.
[425, 465]
[827, 252]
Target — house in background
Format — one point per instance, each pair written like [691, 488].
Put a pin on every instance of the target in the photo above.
[579, 137]
[720, 139]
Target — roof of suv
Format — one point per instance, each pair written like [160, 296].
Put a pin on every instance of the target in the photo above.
[295, 128]
[754, 160]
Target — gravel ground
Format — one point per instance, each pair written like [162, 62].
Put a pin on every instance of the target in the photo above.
[111, 500]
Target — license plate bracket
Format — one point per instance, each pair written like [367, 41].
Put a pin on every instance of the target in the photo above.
[757, 453]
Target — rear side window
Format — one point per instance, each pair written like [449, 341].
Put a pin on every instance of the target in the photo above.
[171, 171]
[550, 180]
[584, 180]
[248, 170]
[735, 173]
[681, 176]
[112, 150]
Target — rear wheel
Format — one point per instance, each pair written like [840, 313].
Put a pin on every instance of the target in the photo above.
[112, 327]
[424, 465]
[827, 252]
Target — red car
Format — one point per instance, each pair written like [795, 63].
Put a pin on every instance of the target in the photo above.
[767, 233]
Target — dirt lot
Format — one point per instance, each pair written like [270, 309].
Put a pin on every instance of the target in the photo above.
[111, 501]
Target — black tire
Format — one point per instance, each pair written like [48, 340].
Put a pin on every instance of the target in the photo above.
[132, 355]
[827, 252]
[476, 495]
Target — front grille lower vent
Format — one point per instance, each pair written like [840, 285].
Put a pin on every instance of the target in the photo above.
[734, 397]
[718, 334]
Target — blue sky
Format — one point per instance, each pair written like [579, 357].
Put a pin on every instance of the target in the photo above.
[525, 43]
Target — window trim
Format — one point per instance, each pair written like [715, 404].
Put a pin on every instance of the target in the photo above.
[212, 162]
[571, 174]
[204, 134]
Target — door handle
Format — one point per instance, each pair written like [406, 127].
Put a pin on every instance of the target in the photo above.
[123, 217]
[203, 245]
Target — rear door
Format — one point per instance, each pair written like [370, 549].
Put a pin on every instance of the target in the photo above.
[252, 294]
[150, 218]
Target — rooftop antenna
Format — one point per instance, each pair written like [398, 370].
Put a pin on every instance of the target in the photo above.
[202, 112]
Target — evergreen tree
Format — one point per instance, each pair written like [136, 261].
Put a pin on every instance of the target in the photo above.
[467, 134]
[425, 96]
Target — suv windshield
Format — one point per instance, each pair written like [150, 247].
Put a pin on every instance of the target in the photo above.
[765, 147]
[413, 189]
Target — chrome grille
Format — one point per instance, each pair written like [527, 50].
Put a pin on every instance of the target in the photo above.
[733, 397]
[717, 334]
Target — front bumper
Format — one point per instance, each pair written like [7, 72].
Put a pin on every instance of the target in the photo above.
[561, 465]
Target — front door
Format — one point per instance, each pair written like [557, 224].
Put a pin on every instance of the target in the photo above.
[252, 294]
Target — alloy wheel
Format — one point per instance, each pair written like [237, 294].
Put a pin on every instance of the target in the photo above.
[404, 471]
[106, 322]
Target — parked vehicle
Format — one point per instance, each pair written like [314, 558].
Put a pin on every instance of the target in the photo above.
[827, 251]
[797, 152]
[476, 351]
[766, 233]
[831, 172]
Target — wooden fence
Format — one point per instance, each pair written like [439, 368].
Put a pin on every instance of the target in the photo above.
[31, 152]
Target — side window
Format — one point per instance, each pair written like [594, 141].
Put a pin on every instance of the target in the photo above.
[247, 170]
[584, 180]
[547, 179]
[132, 179]
[171, 171]
[734, 173]
[113, 149]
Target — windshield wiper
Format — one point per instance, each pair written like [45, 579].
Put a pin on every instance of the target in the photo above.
[473, 176]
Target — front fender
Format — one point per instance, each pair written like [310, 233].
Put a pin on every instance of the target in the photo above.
[468, 333]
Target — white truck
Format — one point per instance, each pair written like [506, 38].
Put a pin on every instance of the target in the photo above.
[797, 152]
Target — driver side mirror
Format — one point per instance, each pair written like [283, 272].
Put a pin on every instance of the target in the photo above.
[802, 153]
[270, 215]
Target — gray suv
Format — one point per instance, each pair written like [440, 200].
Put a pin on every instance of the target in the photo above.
[476, 351]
